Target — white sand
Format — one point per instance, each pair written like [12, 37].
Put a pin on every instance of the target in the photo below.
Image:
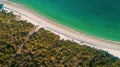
[64, 32]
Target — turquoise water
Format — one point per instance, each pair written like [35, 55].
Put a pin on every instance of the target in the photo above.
[100, 18]
[1, 5]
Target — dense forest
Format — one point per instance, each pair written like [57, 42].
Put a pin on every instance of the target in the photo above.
[44, 48]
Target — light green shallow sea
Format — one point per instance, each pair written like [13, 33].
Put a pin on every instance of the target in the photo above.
[100, 18]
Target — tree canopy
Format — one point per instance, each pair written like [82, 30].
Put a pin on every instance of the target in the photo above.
[45, 48]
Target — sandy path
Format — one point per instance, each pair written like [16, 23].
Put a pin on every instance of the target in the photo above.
[64, 32]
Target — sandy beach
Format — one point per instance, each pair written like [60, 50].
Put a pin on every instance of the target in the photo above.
[64, 32]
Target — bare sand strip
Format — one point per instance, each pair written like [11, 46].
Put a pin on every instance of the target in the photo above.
[64, 32]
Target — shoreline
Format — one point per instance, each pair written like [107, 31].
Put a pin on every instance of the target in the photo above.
[64, 26]
[53, 22]
[62, 31]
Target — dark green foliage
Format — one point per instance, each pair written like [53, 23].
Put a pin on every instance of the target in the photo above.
[44, 48]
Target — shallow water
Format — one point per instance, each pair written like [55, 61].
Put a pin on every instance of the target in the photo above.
[99, 18]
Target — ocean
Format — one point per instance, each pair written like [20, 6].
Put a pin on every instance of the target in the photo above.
[99, 18]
